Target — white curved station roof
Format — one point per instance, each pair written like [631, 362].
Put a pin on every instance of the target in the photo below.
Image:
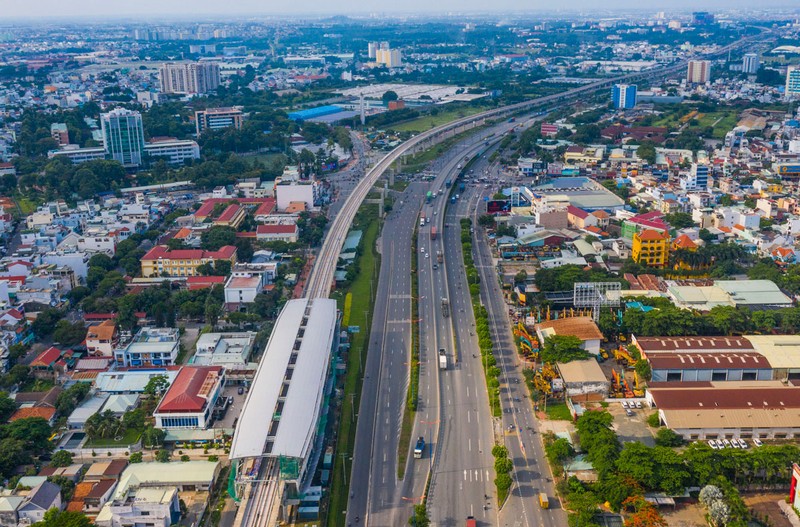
[281, 412]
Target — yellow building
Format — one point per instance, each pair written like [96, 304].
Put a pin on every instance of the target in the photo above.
[650, 248]
[160, 261]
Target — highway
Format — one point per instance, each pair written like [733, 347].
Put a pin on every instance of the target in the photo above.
[263, 496]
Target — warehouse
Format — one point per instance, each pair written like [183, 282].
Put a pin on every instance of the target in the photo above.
[582, 327]
[725, 410]
[709, 366]
[584, 380]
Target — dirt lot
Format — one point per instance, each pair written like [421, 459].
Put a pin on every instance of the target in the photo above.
[767, 505]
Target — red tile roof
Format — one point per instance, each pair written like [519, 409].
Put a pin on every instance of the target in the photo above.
[229, 213]
[190, 390]
[276, 229]
[649, 234]
[575, 211]
[162, 251]
[708, 361]
[202, 282]
[44, 412]
[684, 242]
[46, 358]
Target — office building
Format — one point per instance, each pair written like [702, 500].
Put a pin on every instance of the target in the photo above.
[189, 77]
[697, 179]
[173, 151]
[623, 96]
[750, 63]
[372, 49]
[123, 136]
[793, 82]
[59, 132]
[650, 248]
[698, 72]
[702, 18]
[217, 119]
[161, 261]
[150, 347]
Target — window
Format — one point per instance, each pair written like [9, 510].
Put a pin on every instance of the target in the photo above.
[749, 376]
[719, 376]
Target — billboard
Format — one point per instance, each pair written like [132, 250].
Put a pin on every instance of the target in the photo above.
[498, 206]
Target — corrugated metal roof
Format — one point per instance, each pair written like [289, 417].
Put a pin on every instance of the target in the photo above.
[301, 404]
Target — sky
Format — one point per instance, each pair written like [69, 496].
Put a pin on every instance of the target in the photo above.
[155, 8]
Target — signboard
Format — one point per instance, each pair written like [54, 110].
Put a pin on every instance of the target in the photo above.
[354, 329]
[789, 169]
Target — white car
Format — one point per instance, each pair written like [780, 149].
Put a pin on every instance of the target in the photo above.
[625, 404]
[742, 443]
[638, 404]
[712, 444]
[726, 443]
[427, 255]
[757, 441]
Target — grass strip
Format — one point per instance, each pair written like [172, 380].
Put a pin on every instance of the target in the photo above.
[361, 311]
[412, 395]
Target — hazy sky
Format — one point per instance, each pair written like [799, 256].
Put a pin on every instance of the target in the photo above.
[120, 8]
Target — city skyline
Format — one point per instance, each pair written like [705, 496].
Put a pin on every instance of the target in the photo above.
[147, 8]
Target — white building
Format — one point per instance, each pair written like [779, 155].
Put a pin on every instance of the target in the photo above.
[698, 71]
[98, 241]
[174, 151]
[231, 350]
[308, 192]
[189, 77]
[792, 82]
[189, 401]
[150, 347]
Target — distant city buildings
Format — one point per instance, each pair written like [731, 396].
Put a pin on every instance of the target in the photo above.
[217, 119]
[699, 72]
[123, 136]
[384, 55]
[623, 96]
[750, 63]
[792, 82]
[188, 78]
[702, 18]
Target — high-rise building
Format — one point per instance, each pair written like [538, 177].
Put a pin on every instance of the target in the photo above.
[750, 63]
[391, 58]
[188, 77]
[123, 136]
[372, 48]
[702, 18]
[698, 72]
[793, 82]
[218, 118]
[697, 179]
[623, 96]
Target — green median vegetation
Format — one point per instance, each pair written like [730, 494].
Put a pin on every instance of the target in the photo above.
[491, 371]
[412, 395]
[362, 303]
[502, 470]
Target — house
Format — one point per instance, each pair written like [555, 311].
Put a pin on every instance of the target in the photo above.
[279, 232]
[231, 350]
[41, 499]
[48, 414]
[45, 365]
[101, 470]
[243, 289]
[579, 218]
[584, 380]
[90, 496]
[101, 339]
[150, 347]
[651, 248]
[162, 261]
[9, 510]
[582, 327]
[147, 493]
[189, 401]
[783, 255]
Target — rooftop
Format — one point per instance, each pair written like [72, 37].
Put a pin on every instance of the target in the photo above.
[163, 252]
[582, 327]
[650, 345]
[578, 371]
[708, 361]
[191, 390]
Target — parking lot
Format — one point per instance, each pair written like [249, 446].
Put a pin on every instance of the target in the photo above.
[633, 428]
[234, 409]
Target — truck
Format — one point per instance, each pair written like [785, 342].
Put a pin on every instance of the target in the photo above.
[445, 307]
[543, 501]
[442, 359]
[462, 187]
[448, 183]
[471, 521]
[433, 233]
[439, 257]
[428, 197]
[419, 447]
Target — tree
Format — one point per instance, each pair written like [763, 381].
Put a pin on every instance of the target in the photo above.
[45, 322]
[12, 455]
[216, 237]
[420, 516]
[62, 458]
[647, 151]
[563, 348]
[644, 514]
[643, 369]
[679, 220]
[7, 407]
[153, 437]
[136, 457]
[162, 456]
[101, 260]
[58, 518]
[134, 419]
[33, 431]
[389, 96]
[156, 386]
[68, 333]
[668, 438]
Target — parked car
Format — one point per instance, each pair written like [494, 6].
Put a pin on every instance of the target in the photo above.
[757, 441]
[625, 404]
[742, 443]
[629, 413]
[638, 404]
[712, 444]
[726, 443]
[240, 391]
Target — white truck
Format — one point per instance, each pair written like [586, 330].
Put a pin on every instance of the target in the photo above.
[442, 359]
